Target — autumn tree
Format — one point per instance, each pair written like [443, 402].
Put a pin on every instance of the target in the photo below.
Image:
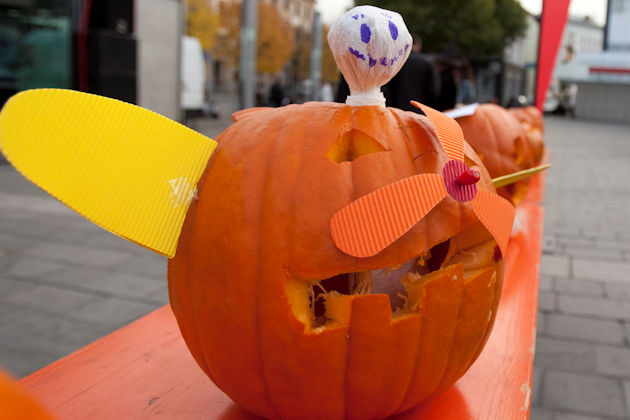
[476, 28]
[275, 38]
[228, 36]
[202, 22]
[330, 71]
[303, 57]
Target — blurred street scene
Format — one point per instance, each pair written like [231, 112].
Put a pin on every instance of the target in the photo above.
[65, 282]
[183, 59]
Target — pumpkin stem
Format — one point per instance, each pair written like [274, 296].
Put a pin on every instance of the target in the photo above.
[370, 45]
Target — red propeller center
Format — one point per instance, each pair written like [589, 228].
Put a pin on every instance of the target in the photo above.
[460, 180]
[470, 176]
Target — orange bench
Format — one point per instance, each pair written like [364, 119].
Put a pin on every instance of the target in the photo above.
[144, 370]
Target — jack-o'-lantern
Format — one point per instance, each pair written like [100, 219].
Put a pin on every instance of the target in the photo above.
[531, 120]
[278, 316]
[502, 145]
[336, 261]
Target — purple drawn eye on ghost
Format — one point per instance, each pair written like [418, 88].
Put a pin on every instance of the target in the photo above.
[366, 33]
[393, 30]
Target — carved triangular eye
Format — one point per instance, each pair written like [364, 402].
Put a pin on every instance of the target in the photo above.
[353, 144]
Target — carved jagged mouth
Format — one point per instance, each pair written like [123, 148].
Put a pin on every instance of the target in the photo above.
[391, 281]
[324, 303]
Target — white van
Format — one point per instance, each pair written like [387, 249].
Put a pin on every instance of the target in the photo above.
[193, 74]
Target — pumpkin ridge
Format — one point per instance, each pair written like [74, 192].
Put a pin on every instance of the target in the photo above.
[470, 299]
[258, 408]
[192, 214]
[345, 371]
[404, 395]
[263, 208]
[428, 335]
[451, 346]
[191, 319]
[482, 342]
[497, 293]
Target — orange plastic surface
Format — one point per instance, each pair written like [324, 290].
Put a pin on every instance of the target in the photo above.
[368, 225]
[145, 371]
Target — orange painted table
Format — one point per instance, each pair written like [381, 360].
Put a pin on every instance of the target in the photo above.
[144, 370]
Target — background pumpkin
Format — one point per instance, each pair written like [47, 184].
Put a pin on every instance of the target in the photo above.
[501, 143]
[256, 247]
[531, 120]
[536, 116]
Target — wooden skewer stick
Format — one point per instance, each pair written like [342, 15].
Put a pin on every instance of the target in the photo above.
[517, 176]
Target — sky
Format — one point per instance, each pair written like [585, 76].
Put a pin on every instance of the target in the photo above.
[596, 9]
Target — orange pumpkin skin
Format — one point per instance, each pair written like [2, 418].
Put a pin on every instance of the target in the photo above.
[532, 122]
[501, 143]
[259, 235]
[536, 116]
[15, 403]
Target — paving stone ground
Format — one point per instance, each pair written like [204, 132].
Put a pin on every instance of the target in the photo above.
[65, 282]
[582, 364]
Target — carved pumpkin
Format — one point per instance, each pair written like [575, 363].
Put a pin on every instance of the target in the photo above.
[16, 403]
[502, 145]
[536, 116]
[283, 321]
[532, 121]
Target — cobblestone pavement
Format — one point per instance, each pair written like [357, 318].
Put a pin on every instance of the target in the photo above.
[582, 364]
[65, 282]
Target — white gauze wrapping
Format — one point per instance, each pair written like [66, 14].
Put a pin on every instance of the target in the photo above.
[370, 45]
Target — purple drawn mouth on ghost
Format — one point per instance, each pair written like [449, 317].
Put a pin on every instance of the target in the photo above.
[383, 61]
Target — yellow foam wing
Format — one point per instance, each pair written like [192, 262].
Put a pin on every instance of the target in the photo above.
[125, 168]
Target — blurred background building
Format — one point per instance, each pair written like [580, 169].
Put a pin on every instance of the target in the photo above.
[127, 50]
[601, 76]
[135, 50]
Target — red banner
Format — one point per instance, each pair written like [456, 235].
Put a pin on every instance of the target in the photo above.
[552, 22]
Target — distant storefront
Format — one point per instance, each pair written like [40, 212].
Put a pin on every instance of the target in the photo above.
[123, 49]
[35, 45]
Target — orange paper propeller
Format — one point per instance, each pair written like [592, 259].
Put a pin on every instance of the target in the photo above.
[368, 225]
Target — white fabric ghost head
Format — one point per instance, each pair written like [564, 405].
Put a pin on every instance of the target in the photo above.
[370, 45]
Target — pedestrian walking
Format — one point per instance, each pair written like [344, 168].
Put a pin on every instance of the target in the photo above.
[417, 80]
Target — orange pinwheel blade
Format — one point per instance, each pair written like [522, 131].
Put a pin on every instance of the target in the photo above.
[368, 225]
[496, 214]
[447, 129]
